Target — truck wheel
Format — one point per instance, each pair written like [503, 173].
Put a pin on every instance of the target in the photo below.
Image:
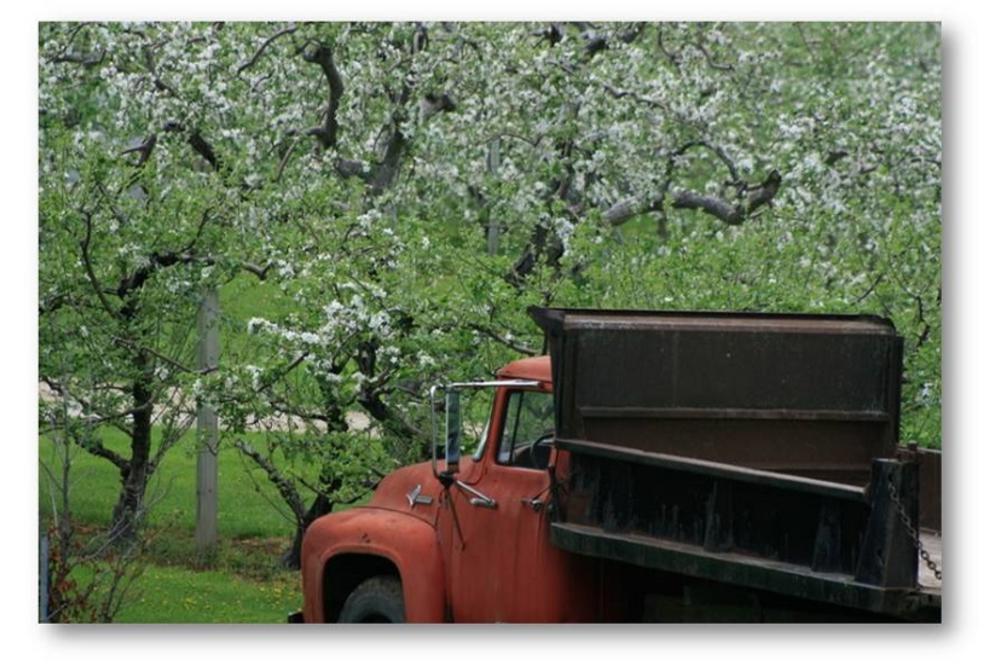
[378, 599]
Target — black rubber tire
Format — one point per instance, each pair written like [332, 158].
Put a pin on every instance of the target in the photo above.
[375, 600]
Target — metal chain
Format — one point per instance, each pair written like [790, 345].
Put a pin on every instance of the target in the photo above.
[913, 532]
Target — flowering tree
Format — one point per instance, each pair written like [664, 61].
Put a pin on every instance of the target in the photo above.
[399, 193]
[137, 217]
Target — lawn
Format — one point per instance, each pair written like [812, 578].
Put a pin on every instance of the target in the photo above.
[176, 594]
[249, 505]
[243, 582]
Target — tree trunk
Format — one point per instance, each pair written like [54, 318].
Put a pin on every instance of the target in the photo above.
[130, 509]
[329, 485]
[320, 506]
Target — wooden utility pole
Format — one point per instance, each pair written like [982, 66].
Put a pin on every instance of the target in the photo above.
[205, 532]
[493, 230]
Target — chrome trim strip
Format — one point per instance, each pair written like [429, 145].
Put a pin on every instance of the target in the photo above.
[478, 498]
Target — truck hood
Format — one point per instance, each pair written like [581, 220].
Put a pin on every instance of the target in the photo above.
[412, 489]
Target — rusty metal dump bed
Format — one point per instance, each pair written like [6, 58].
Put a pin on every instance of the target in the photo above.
[753, 450]
[815, 396]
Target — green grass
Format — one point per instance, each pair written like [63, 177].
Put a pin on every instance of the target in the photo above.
[176, 594]
[243, 580]
[244, 511]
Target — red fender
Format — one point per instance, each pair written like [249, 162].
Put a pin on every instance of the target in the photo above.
[410, 543]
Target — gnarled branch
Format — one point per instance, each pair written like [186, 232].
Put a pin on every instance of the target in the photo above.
[624, 210]
[323, 56]
[721, 209]
[387, 169]
[714, 206]
[505, 340]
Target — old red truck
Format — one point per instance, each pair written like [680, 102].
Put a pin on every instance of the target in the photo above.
[655, 466]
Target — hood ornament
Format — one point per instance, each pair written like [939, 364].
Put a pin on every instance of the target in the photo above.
[414, 497]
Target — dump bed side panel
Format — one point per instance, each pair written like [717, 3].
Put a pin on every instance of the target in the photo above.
[816, 396]
[757, 451]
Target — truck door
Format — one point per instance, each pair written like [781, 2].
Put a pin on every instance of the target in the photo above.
[494, 550]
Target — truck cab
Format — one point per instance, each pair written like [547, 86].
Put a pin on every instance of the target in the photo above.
[469, 545]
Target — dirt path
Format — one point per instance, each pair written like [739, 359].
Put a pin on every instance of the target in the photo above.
[356, 421]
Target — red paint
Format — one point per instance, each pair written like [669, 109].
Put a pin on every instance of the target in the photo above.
[501, 569]
[408, 542]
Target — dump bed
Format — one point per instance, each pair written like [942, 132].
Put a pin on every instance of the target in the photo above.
[751, 449]
[800, 394]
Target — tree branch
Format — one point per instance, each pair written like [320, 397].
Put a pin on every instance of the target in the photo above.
[88, 266]
[203, 148]
[733, 214]
[624, 210]
[763, 194]
[504, 340]
[714, 206]
[95, 447]
[166, 359]
[287, 369]
[145, 149]
[285, 158]
[432, 103]
[389, 166]
[197, 142]
[159, 260]
[85, 59]
[720, 153]
[150, 64]
[286, 488]
[710, 61]
[263, 47]
[619, 93]
[349, 168]
[323, 56]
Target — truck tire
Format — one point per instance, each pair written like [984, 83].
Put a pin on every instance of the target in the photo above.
[375, 600]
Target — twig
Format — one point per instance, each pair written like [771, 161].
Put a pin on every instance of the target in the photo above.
[263, 47]
[284, 159]
[511, 343]
[165, 359]
[285, 487]
[870, 288]
[88, 267]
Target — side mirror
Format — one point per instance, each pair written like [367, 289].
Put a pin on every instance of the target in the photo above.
[452, 429]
